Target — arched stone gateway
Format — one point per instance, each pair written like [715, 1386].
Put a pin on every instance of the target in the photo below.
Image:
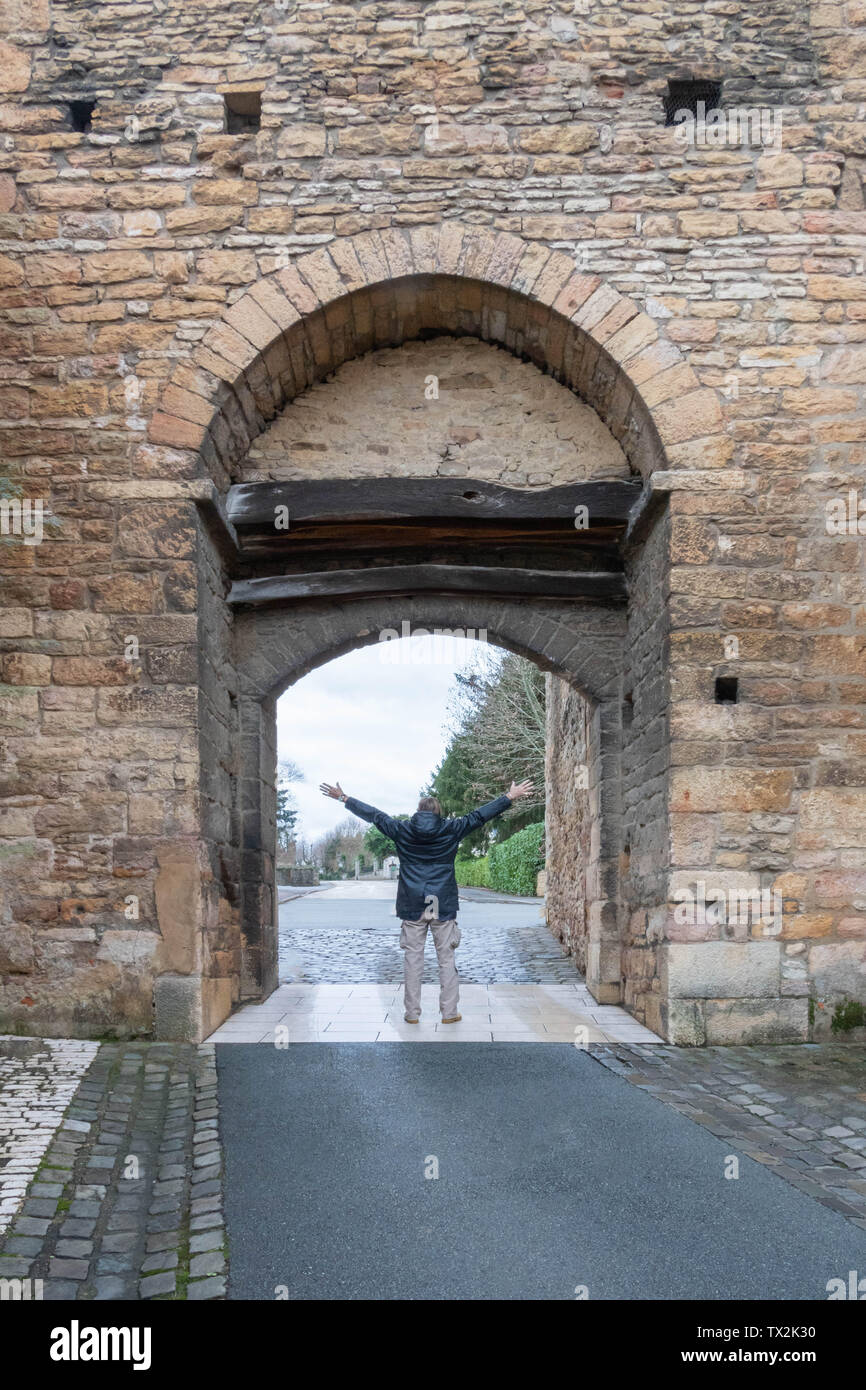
[614, 571]
[296, 329]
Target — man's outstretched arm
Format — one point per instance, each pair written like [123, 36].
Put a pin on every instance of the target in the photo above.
[466, 824]
[383, 822]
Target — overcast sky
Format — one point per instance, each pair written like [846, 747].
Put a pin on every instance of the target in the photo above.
[375, 721]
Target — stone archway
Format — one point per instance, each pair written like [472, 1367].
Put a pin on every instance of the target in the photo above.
[294, 329]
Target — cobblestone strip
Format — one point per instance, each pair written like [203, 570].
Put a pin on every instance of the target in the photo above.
[128, 1200]
[502, 954]
[207, 1245]
[38, 1078]
[800, 1110]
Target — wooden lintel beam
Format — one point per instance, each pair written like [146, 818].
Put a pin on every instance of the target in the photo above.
[274, 508]
[339, 540]
[387, 580]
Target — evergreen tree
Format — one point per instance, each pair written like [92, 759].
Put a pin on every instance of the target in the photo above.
[378, 845]
[498, 732]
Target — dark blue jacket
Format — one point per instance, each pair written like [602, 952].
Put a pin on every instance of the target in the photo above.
[427, 846]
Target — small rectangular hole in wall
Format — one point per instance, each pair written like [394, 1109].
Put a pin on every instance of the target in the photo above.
[683, 94]
[726, 690]
[243, 112]
[80, 114]
[627, 710]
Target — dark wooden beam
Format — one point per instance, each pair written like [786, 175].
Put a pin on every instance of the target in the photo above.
[391, 580]
[252, 507]
[213, 512]
[338, 539]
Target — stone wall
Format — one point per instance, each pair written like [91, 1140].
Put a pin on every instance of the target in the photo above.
[607, 769]
[141, 261]
[568, 820]
[646, 702]
[441, 407]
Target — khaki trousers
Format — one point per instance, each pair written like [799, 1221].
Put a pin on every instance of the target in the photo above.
[446, 938]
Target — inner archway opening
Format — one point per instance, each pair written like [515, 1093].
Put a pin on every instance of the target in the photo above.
[444, 716]
[445, 713]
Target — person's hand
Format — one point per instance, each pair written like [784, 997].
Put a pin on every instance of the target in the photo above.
[519, 789]
[336, 792]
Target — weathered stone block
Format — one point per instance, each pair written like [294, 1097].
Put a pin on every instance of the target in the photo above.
[177, 1012]
[14, 68]
[739, 1022]
[681, 1021]
[838, 969]
[730, 789]
[17, 955]
[25, 668]
[301, 142]
[720, 969]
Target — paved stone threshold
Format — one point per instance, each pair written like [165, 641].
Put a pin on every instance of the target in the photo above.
[127, 1200]
[489, 1013]
[800, 1110]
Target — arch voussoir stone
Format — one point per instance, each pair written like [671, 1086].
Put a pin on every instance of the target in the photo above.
[249, 319]
[554, 276]
[297, 291]
[323, 277]
[398, 252]
[371, 257]
[452, 250]
[275, 303]
[424, 240]
[638, 331]
[343, 255]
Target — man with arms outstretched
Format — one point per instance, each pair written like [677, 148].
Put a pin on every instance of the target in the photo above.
[427, 889]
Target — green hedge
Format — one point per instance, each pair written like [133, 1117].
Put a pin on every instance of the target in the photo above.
[472, 873]
[514, 864]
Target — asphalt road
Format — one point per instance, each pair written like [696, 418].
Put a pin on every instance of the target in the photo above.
[554, 1173]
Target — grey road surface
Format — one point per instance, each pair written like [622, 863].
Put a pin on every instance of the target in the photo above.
[554, 1174]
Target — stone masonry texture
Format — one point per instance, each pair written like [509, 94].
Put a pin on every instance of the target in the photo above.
[484, 193]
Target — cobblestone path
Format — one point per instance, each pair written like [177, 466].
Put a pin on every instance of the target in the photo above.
[329, 938]
[127, 1200]
[799, 1110]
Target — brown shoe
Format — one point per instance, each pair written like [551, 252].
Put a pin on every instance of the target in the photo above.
[455, 1019]
[407, 1019]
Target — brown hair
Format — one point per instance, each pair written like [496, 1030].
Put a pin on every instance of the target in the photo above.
[430, 803]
